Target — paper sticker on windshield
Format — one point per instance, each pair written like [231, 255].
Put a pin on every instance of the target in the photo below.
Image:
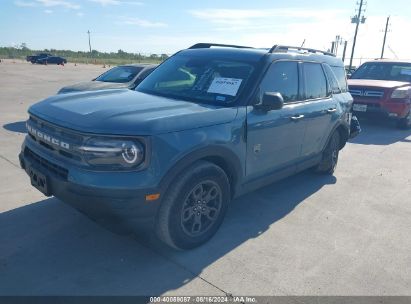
[405, 71]
[225, 86]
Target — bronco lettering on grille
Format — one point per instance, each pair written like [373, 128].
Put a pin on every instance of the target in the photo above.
[47, 138]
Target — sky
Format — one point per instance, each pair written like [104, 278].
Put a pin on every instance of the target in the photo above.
[154, 26]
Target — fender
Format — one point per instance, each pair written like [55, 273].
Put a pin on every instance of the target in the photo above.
[217, 154]
[346, 127]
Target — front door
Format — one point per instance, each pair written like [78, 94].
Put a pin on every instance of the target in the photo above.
[274, 138]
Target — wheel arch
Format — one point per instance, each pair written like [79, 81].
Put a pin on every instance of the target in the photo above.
[344, 131]
[223, 157]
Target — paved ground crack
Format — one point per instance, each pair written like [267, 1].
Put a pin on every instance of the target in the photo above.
[9, 161]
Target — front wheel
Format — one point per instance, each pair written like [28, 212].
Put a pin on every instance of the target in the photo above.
[194, 206]
[405, 123]
[330, 155]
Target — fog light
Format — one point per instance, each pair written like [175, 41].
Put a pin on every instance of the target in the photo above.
[392, 114]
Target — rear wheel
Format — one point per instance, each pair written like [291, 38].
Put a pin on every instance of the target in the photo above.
[330, 155]
[405, 123]
[194, 207]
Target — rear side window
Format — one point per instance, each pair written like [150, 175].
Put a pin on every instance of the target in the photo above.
[315, 81]
[282, 77]
[332, 80]
[339, 72]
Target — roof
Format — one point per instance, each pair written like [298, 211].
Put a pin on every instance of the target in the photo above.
[255, 54]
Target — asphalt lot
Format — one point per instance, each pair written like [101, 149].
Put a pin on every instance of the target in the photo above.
[307, 235]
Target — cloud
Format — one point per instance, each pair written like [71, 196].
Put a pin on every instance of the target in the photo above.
[48, 11]
[234, 17]
[25, 3]
[116, 2]
[62, 3]
[106, 2]
[264, 28]
[47, 3]
[143, 23]
[80, 14]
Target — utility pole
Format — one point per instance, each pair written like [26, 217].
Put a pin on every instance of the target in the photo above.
[345, 48]
[385, 36]
[302, 44]
[357, 20]
[89, 43]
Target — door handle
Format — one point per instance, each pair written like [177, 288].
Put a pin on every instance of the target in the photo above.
[298, 117]
[332, 110]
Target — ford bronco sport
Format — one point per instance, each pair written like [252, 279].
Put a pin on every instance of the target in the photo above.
[209, 124]
[383, 88]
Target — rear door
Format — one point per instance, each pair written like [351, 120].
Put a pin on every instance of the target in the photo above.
[274, 138]
[321, 110]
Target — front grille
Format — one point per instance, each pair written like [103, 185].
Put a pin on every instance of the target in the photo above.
[69, 137]
[356, 92]
[44, 163]
[367, 93]
[374, 94]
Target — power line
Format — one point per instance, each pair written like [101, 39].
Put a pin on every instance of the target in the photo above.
[392, 51]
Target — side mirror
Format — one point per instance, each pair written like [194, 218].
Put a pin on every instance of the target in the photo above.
[272, 101]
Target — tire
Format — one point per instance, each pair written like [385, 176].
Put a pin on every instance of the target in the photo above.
[404, 123]
[330, 155]
[194, 206]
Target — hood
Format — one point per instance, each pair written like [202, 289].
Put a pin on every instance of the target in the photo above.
[92, 86]
[385, 84]
[126, 112]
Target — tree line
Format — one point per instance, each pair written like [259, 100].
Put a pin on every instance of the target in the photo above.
[83, 57]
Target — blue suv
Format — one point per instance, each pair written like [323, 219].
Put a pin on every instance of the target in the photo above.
[209, 124]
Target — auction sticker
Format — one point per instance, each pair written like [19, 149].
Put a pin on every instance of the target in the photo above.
[225, 86]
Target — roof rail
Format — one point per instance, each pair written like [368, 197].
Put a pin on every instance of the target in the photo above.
[279, 48]
[209, 45]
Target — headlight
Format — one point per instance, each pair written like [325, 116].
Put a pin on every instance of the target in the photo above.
[401, 93]
[107, 153]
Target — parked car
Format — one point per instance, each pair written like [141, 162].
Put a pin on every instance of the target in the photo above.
[33, 58]
[209, 124]
[383, 88]
[120, 77]
[52, 60]
[350, 71]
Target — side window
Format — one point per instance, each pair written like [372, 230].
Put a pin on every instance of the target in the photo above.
[332, 80]
[339, 72]
[282, 77]
[315, 81]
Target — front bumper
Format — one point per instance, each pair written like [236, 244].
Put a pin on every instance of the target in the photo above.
[396, 110]
[91, 195]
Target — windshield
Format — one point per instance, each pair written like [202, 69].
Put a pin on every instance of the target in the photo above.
[198, 79]
[384, 71]
[121, 74]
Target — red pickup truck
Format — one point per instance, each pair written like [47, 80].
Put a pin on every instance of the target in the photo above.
[383, 87]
